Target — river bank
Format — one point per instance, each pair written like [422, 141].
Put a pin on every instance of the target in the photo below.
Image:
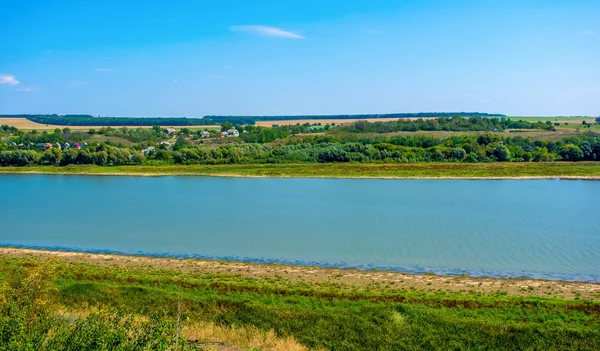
[348, 278]
[225, 303]
[506, 170]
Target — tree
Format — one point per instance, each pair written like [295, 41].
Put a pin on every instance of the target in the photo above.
[458, 153]
[499, 152]
[100, 158]
[226, 126]
[571, 152]
[487, 138]
[52, 156]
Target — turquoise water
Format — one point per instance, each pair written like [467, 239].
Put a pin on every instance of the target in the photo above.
[535, 228]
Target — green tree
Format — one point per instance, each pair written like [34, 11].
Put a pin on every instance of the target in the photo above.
[499, 152]
[571, 152]
[52, 156]
[226, 126]
[458, 153]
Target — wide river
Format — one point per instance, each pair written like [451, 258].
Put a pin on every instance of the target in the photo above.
[535, 228]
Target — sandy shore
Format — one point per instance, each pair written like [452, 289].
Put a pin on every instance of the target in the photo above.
[350, 278]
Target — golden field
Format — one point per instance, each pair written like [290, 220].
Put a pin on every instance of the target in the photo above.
[25, 124]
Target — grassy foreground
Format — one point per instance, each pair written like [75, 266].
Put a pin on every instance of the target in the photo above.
[285, 305]
[340, 170]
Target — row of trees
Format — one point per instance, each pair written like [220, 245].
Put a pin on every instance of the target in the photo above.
[253, 119]
[101, 155]
[57, 136]
[465, 148]
[456, 123]
[89, 120]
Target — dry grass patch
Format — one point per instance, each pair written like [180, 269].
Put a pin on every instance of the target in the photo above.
[242, 337]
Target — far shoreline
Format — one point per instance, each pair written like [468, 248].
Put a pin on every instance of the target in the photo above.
[224, 175]
[474, 171]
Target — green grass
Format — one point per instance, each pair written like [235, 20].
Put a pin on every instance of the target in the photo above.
[338, 170]
[330, 316]
[97, 138]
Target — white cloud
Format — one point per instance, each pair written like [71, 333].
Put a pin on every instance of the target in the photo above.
[79, 84]
[8, 79]
[103, 69]
[267, 31]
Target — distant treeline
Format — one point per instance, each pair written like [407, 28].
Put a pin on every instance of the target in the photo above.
[88, 120]
[455, 124]
[252, 119]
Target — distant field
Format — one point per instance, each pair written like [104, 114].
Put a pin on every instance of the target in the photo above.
[328, 121]
[533, 134]
[560, 119]
[25, 124]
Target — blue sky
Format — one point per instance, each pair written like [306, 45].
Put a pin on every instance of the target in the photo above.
[265, 57]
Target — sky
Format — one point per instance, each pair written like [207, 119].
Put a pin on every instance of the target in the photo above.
[280, 57]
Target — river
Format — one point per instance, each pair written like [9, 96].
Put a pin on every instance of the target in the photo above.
[503, 228]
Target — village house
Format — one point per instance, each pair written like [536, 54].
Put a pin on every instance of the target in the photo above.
[44, 146]
[231, 133]
[205, 134]
[148, 150]
[170, 130]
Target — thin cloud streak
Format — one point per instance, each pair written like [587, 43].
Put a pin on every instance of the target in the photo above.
[6, 79]
[267, 31]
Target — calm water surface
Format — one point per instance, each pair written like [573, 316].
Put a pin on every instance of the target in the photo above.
[536, 228]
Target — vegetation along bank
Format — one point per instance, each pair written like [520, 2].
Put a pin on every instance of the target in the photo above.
[458, 140]
[52, 299]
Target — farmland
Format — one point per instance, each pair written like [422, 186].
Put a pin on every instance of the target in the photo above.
[25, 124]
